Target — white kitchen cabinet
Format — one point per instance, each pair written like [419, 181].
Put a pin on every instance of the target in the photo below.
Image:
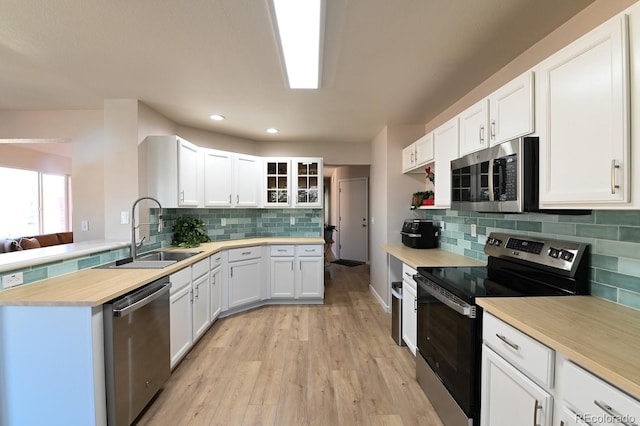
[282, 268]
[582, 98]
[310, 271]
[216, 280]
[173, 171]
[201, 298]
[308, 182]
[445, 141]
[181, 315]
[218, 182]
[409, 316]
[511, 112]
[245, 276]
[277, 182]
[247, 172]
[418, 154]
[474, 127]
[509, 397]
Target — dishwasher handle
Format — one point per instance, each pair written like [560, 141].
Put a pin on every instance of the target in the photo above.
[140, 298]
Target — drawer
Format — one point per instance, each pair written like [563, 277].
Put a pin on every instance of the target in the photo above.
[285, 250]
[524, 352]
[245, 253]
[216, 259]
[310, 250]
[408, 272]
[200, 268]
[179, 280]
[597, 401]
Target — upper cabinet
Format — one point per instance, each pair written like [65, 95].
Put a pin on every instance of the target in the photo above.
[583, 121]
[418, 154]
[277, 182]
[308, 181]
[230, 180]
[511, 112]
[474, 123]
[173, 171]
[246, 172]
[445, 140]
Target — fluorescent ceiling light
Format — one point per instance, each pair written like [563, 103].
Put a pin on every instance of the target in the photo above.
[272, 130]
[216, 117]
[299, 30]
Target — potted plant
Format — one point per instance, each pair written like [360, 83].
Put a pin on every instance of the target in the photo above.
[189, 232]
[328, 232]
[422, 198]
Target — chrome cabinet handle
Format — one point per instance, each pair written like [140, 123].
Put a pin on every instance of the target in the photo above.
[508, 342]
[238, 199]
[493, 129]
[229, 198]
[412, 157]
[415, 305]
[612, 412]
[536, 407]
[614, 166]
[246, 253]
[191, 295]
[182, 196]
[481, 135]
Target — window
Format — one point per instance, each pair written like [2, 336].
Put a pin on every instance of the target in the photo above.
[33, 203]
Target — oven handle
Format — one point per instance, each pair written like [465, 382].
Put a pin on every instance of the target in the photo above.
[445, 297]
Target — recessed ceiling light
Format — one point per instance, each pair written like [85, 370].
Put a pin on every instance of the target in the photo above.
[299, 30]
[216, 117]
[272, 130]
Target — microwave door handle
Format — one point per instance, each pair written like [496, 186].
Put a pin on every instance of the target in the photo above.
[491, 166]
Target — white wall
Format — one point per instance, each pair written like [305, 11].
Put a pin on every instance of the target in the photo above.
[220, 141]
[29, 159]
[334, 153]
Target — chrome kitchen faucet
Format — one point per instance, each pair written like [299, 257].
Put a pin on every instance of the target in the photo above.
[134, 245]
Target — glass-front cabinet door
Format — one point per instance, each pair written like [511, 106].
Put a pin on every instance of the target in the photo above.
[278, 182]
[308, 180]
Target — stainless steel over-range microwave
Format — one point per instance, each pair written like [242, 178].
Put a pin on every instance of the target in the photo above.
[503, 178]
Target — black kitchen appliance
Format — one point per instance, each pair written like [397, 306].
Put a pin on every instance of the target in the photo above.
[450, 324]
[419, 234]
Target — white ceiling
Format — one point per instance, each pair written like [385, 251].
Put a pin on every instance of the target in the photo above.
[385, 61]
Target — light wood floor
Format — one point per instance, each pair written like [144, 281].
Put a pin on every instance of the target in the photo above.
[331, 364]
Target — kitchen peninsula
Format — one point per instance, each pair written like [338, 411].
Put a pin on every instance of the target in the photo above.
[51, 332]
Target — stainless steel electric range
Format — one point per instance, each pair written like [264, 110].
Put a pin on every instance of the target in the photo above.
[450, 323]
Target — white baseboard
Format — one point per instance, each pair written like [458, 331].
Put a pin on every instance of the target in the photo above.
[386, 307]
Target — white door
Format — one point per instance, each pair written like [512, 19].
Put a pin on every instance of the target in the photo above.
[511, 110]
[216, 292]
[473, 128]
[181, 335]
[201, 300]
[244, 282]
[247, 180]
[217, 178]
[310, 278]
[446, 149]
[282, 277]
[354, 221]
[409, 317]
[187, 174]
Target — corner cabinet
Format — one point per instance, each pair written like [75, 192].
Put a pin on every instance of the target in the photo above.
[245, 275]
[173, 171]
[308, 182]
[583, 121]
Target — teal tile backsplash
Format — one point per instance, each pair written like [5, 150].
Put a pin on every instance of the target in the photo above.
[614, 237]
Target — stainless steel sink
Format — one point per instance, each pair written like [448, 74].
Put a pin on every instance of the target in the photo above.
[167, 255]
[153, 260]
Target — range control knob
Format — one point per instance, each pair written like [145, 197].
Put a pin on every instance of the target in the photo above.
[497, 242]
[553, 252]
[566, 255]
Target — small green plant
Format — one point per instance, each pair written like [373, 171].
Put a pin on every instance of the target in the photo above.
[189, 232]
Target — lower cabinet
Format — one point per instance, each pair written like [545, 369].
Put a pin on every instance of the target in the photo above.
[181, 315]
[509, 397]
[216, 281]
[201, 298]
[409, 308]
[245, 276]
[282, 272]
[310, 271]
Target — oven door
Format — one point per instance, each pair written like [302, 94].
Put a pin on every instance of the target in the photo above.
[447, 340]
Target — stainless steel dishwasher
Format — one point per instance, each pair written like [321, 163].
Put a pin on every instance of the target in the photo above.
[137, 354]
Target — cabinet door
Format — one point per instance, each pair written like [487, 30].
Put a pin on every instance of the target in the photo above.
[247, 181]
[310, 277]
[277, 179]
[583, 121]
[569, 418]
[201, 299]
[282, 277]
[424, 150]
[181, 336]
[308, 178]
[445, 140]
[409, 317]
[509, 397]
[217, 178]
[409, 158]
[244, 282]
[474, 128]
[187, 174]
[511, 110]
[215, 293]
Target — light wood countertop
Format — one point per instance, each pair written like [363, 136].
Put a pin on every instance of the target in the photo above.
[94, 287]
[599, 335]
[429, 257]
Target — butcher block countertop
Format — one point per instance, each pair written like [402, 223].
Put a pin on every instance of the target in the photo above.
[94, 287]
[429, 257]
[599, 335]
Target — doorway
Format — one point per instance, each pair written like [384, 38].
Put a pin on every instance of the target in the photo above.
[353, 217]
